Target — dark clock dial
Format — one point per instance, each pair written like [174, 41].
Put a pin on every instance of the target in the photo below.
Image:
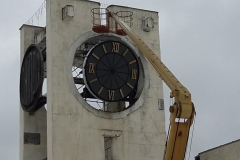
[31, 78]
[111, 71]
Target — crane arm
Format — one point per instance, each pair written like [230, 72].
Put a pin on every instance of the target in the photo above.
[182, 112]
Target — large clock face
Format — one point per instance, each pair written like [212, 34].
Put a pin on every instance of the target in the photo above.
[31, 78]
[107, 73]
[111, 71]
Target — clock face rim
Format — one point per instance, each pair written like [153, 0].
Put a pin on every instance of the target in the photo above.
[143, 79]
[88, 82]
[31, 106]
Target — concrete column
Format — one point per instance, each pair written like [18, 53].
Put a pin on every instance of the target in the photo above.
[36, 123]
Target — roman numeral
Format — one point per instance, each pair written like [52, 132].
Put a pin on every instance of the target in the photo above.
[115, 47]
[111, 95]
[121, 93]
[132, 62]
[91, 67]
[130, 85]
[125, 52]
[100, 90]
[134, 74]
[93, 80]
[94, 55]
[104, 48]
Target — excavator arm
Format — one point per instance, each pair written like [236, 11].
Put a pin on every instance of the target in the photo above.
[182, 112]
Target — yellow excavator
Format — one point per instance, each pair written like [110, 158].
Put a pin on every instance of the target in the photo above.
[182, 112]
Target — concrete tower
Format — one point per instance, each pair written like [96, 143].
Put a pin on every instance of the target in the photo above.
[84, 119]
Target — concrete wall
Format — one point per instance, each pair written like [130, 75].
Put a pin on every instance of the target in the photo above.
[36, 123]
[75, 132]
[225, 152]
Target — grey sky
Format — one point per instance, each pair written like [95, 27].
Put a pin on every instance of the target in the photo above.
[200, 44]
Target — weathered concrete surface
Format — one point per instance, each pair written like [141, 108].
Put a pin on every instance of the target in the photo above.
[75, 132]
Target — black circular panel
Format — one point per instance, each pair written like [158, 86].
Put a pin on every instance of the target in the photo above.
[31, 78]
[111, 71]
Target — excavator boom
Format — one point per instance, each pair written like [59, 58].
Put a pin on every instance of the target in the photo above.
[182, 112]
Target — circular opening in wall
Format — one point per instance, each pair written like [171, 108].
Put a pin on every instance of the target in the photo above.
[107, 73]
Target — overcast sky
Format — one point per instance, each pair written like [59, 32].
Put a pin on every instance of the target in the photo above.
[200, 44]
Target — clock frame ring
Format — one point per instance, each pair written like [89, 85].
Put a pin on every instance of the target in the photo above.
[31, 78]
[74, 89]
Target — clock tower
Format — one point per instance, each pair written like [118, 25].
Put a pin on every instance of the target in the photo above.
[104, 101]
